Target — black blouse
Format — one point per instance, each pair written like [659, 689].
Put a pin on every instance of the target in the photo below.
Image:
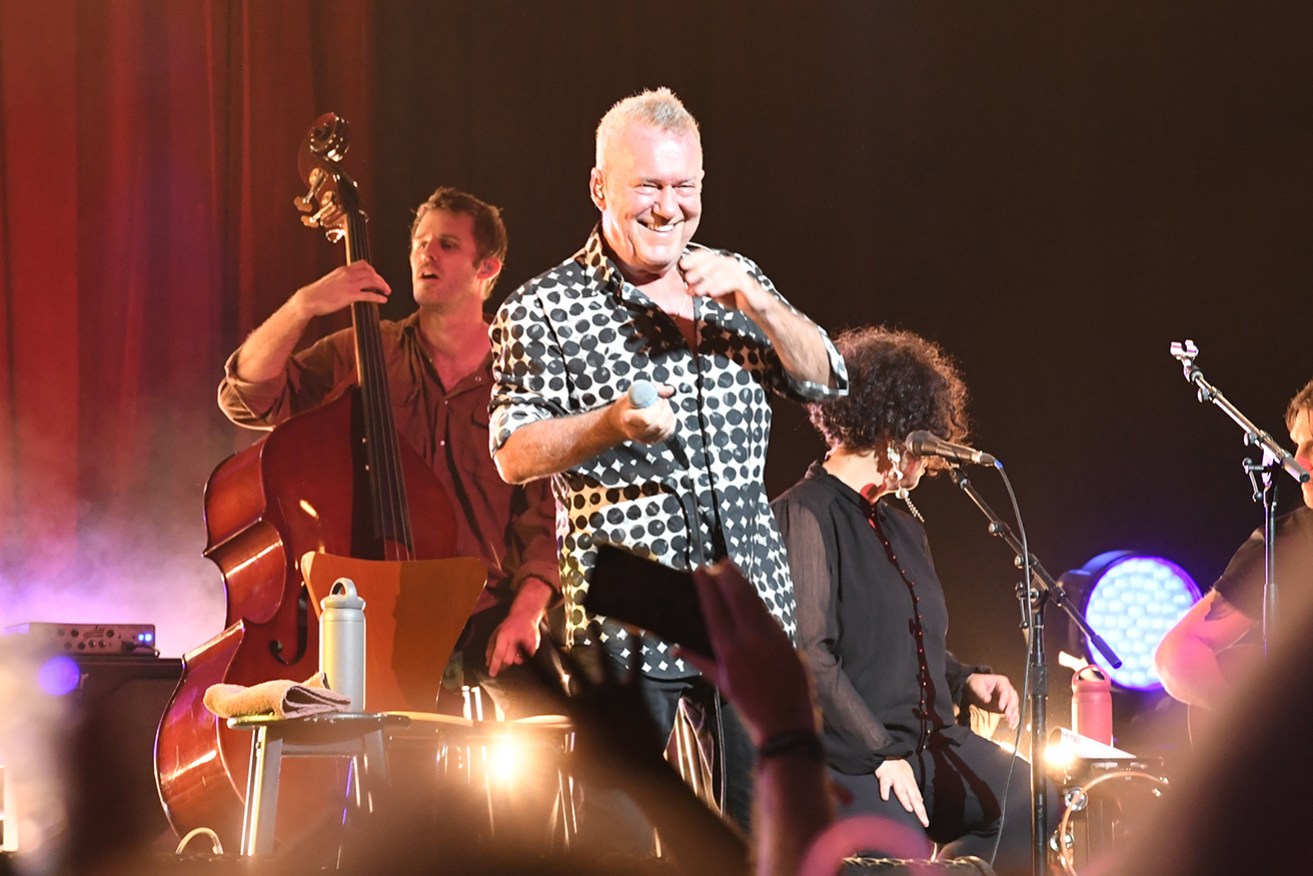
[872, 624]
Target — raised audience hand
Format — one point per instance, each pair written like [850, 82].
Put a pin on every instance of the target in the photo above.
[614, 730]
[755, 665]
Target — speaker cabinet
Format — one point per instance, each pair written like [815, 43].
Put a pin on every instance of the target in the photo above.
[111, 798]
[119, 704]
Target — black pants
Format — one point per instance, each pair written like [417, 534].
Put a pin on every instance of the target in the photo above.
[611, 821]
[963, 789]
[732, 766]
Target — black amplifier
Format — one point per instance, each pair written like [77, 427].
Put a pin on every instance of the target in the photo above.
[134, 640]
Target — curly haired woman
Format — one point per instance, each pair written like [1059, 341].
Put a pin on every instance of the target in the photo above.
[872, 620]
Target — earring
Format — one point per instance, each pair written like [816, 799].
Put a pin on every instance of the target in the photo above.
[895, 455]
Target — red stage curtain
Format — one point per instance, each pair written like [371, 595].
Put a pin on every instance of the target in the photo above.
[147, 168]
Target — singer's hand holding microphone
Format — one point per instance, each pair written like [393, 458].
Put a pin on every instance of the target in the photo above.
[644, 413]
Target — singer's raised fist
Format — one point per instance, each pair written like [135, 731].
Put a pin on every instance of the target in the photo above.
[710, 274]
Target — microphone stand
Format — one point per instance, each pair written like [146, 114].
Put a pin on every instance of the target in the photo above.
[1032, 597]
[1274, 457]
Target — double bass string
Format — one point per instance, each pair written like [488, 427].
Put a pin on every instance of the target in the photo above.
[386, 481]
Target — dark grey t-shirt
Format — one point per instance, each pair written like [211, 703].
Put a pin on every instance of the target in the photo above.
[1242, 582]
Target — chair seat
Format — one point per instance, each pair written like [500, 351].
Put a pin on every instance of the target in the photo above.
[364, 737]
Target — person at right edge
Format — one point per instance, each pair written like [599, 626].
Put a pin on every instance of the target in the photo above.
[1198, 660]
[873, 624]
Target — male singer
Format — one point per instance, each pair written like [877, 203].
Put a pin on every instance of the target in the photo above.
[674, 474]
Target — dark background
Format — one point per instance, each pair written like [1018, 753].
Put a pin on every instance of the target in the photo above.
[1053, 192]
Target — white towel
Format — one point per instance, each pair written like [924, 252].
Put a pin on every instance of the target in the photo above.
[281, 697]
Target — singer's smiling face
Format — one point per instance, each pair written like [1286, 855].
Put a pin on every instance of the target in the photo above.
[649, 189]
[1302, 434]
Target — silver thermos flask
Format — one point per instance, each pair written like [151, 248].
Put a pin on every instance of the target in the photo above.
[342, 642]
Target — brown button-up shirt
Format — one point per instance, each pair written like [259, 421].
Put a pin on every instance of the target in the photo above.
[511, 528]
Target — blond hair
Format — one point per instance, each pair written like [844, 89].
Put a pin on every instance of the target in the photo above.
[657, 108]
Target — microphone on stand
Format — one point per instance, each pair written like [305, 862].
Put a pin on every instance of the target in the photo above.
[924, 443]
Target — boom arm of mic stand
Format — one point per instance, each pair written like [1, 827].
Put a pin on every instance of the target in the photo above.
[1040, 576]
[1253, 434]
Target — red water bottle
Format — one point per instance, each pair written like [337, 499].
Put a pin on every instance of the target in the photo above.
[1091, 703]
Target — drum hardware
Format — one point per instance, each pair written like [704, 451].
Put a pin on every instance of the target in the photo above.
[1103, 802]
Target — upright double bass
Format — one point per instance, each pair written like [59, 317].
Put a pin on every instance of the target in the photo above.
[330, 492]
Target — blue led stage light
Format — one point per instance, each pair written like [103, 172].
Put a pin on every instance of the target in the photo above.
[1132, 600]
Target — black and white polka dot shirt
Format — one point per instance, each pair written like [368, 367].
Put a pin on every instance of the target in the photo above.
[574, 339]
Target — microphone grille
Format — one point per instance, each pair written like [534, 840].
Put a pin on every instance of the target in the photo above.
[920, 439]
[643, 393]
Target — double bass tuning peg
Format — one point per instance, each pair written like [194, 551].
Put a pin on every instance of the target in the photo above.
[327, 214]
[312, 200]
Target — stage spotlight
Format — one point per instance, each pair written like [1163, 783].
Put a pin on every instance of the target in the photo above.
[1131, 600]
[505, 759]
[59, 675]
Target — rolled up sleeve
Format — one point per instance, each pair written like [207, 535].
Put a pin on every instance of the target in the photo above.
[528, 369]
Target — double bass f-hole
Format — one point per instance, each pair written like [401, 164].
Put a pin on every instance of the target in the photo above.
[276, 646]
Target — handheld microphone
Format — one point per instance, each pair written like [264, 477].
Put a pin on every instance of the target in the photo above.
[924, 443]
[643, 393]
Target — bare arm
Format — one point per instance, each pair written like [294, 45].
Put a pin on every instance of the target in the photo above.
[535, 576]
[547, 447]
[518, 636]
[795, 338]
[792, 807]
[1186, 658]
[265, 352]
[994, 693]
